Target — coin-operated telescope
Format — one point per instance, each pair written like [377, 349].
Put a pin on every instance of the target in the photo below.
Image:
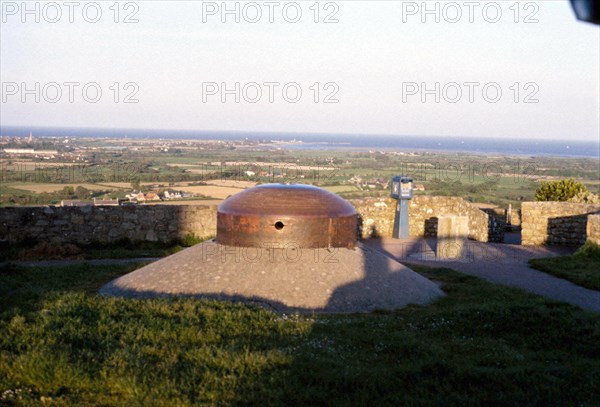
[402, 190]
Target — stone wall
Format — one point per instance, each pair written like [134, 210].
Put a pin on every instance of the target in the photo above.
[377, 217]
[500, 214]
[516, 219]
[497, 223]
[593, 228]
[562, 223]
[87, 224]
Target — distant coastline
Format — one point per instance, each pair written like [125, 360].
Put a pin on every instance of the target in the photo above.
[311, 141]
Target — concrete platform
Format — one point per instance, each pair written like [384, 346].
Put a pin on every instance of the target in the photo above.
[284, 279]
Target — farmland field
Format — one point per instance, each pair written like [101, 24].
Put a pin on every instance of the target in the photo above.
[187, 202]
[127, 185]
[231, 183]
[211, 191]
[340, 188]
[33, 165]
[41, 188]
[218, 170]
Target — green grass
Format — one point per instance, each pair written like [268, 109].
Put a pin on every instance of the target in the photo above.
[482, 344]
[121, 249]
[582, 268]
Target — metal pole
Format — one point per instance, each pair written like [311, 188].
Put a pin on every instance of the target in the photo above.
[396, 232]
[401, 220]
[404, 219]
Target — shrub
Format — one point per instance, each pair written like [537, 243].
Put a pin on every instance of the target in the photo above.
[589, 250]
[586, 197]
[562, 190]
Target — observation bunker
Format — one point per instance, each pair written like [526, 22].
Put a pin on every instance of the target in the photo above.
[289, 248]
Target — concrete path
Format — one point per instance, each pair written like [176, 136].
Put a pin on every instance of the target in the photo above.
[499, 263]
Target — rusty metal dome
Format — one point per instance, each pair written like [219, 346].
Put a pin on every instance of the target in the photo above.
[280, 215]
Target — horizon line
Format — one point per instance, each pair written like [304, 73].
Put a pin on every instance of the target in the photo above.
[291, 133]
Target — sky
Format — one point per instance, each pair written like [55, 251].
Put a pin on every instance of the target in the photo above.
[483, 69]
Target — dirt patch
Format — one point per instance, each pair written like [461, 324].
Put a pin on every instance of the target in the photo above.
[46, 251]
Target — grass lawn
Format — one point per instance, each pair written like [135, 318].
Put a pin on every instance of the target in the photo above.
[482, 344]
[582, 268]
[123, 249]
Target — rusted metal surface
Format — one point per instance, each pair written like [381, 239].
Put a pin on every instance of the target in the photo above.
[280, 215]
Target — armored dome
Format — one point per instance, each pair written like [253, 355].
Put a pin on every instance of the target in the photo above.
[281, 215]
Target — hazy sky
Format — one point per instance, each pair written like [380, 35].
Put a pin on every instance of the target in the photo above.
[375, 61]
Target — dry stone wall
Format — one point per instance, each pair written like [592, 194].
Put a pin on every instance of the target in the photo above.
[593, 228]
[562, 223]
[516, 218]
[88, 224]
[377, 217]
[496, 223]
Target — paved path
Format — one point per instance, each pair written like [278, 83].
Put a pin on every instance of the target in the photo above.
[500, 263]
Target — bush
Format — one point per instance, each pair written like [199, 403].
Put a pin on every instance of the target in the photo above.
[589, 250]
[586, 197]
[562, 190]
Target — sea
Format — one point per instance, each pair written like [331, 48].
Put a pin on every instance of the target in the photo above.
[328, 141]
